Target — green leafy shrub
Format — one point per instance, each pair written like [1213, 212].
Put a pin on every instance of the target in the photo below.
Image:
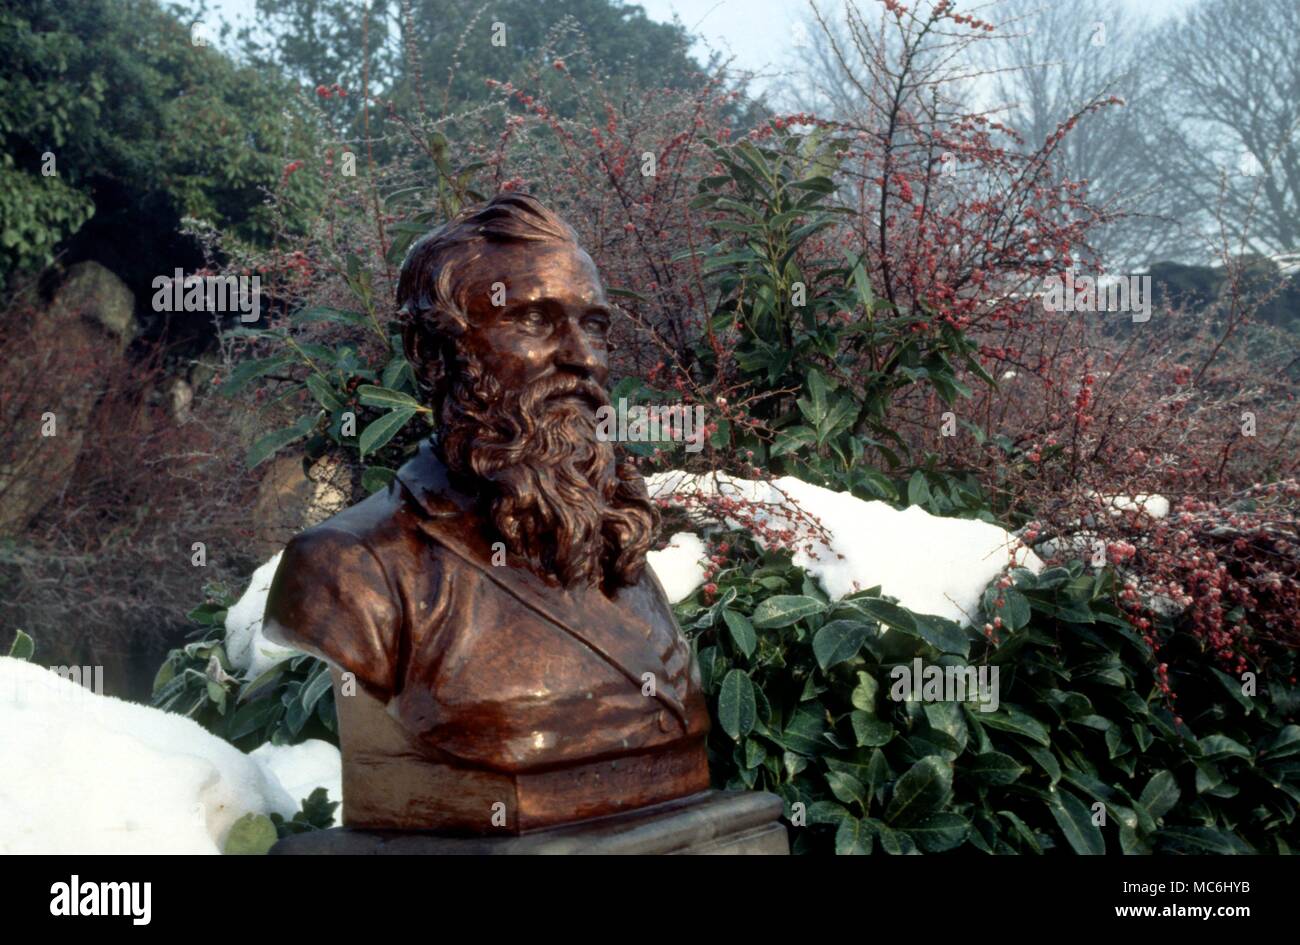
[1081, 754]
[798, 332]
[342, 369]
[290, 702]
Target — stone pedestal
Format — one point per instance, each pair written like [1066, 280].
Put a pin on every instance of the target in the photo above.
[734, 822]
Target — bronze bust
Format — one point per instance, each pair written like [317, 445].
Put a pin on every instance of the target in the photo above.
[518, 665]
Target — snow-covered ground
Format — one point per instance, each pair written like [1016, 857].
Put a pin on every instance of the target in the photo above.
[301, 769]
[90, 773]
[932, 565]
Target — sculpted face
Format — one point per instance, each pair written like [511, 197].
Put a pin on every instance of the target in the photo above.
[555, 318]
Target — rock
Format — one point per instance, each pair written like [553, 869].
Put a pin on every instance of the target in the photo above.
[59, 365]
[289, 500]
[180, 397]
[93, 292]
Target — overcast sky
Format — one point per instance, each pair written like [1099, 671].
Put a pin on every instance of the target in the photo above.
[758, 33]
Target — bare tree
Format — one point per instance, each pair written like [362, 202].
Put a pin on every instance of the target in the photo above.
[1225, 137]
[833, 41]
[1047, 61]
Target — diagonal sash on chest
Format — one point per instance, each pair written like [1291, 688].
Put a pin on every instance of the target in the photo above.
[617, 636]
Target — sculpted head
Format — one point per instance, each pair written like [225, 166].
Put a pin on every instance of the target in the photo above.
[507, 327]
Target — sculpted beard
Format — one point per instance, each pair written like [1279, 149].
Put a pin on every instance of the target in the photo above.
[558, 498]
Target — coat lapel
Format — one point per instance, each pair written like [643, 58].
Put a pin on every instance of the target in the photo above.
[615, 634]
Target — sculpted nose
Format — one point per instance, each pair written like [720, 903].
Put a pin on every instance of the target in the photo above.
[577, 352]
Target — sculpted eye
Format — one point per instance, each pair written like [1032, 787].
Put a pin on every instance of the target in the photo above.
[534, 320]
[596, 325]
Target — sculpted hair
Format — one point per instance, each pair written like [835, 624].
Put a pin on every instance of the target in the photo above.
[426, 287]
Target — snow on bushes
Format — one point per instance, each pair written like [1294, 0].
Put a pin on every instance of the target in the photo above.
[1156, 506]
[247, 648]
[932, 565]
[678, 567]
[302, 768]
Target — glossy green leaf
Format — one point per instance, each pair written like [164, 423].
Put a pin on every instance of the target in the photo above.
[742, 631]
[784, 610]
[922, 790]
[252, 834]
[272, 443]
[863, 696]
[248, 371]
[1221, 746]
[995, 768]
[940, 832]
[1285, 744]
[373, 396]
[839, 641]
[377, 434]
[1200, 840]
[853, 837]
[22, 647]
[1160, 795]
[869, 731]
[325, 395]
[377, 478]
[1075, 820]
[737, 709]
[894, 842]
[846, 788]
[1011, 719]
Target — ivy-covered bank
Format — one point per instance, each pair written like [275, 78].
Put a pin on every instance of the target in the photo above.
[1068, 739]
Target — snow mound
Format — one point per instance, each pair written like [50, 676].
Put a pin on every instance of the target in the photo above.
[1156, 506]
[85, 773]
[932, 565]
[678, 567]
[247, 648]
[301, 769]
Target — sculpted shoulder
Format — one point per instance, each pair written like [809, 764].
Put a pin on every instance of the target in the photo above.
[369, 522]
[331, 595]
